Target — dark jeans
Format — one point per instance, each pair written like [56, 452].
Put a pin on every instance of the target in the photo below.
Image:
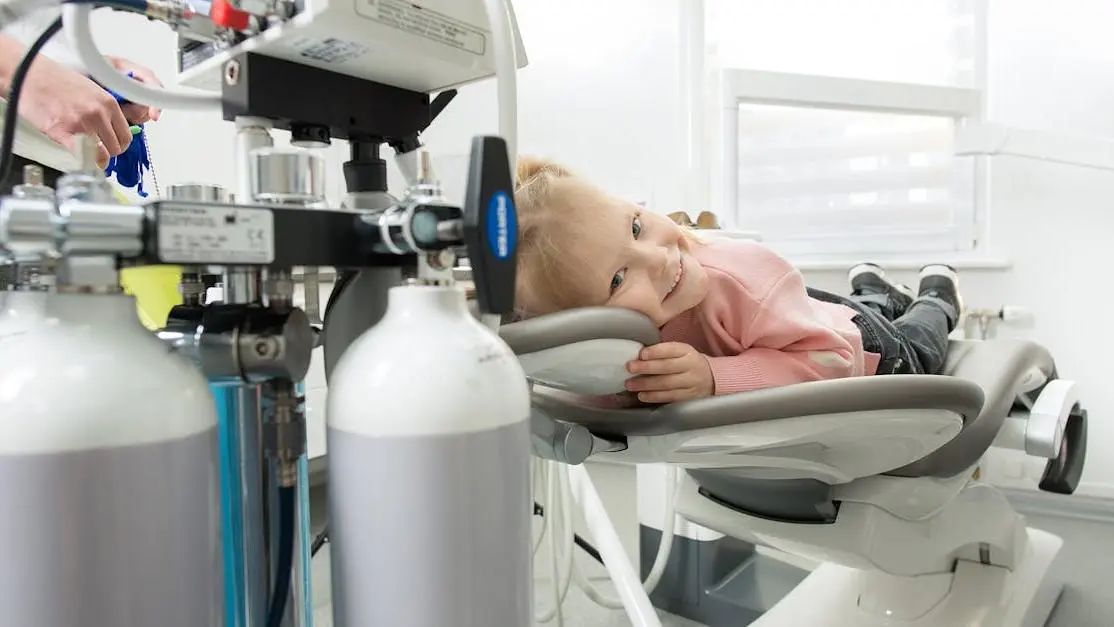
[909, 341]
[15, 177]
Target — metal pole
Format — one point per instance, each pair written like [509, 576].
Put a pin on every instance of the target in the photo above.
[243, 286]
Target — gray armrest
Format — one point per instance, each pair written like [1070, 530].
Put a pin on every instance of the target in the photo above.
[984, 380]
[578, 325]
[859, 394]
[998, 367]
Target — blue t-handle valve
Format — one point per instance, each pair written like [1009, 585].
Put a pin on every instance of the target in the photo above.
[491, 225]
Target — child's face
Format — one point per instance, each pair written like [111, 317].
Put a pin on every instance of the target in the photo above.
[637, 259]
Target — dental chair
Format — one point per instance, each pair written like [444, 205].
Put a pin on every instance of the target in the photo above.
[869, 476]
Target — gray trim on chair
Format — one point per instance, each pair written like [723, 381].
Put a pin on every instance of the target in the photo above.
[578, 325]
[998, 368]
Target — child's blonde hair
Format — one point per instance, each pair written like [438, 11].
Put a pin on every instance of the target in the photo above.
[552, 202]
[546, 277]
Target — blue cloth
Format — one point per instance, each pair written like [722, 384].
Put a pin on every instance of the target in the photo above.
[130, 166]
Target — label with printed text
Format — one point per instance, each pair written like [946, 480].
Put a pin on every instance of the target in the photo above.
[417, 20]
[328, 50]
[216, 235]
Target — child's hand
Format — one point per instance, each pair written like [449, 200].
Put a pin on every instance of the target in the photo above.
[670, 372]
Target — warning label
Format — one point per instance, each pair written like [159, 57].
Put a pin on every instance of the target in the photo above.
[330, 50]
[416, 20]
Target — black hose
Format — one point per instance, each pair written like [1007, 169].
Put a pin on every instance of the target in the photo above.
[580, 542]
[319, 541]
[343, 278]
[284, 567]
[11, 113]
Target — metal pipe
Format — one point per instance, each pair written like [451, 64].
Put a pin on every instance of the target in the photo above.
[292, 178]
[243, 286]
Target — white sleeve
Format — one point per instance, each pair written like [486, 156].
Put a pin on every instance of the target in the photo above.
[29, 28]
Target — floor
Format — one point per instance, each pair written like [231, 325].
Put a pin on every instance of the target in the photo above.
[1084, 565]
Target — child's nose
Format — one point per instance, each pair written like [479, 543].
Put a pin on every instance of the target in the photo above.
[655, 257]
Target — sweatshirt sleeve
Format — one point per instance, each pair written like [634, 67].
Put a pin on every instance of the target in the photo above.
[787, 341]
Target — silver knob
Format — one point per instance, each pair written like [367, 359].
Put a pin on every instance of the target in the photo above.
[199, 192]
[29, 228]
[102, 229]
[32, 186]
[32, 175]
[287, 176]
[86, 148]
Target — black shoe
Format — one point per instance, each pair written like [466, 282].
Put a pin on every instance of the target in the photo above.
[868, 279]
[941, 282]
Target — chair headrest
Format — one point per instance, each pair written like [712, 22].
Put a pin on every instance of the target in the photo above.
[578, 325]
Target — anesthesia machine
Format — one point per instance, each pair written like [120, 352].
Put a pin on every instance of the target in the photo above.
[159, 478]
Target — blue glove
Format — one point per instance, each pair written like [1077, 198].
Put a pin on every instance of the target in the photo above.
[130, 166]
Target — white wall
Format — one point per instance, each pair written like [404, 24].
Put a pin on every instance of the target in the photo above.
[1052, 68]
[600, 94]
[1050, 65]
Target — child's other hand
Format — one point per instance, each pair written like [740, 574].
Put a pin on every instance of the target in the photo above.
[670, 372]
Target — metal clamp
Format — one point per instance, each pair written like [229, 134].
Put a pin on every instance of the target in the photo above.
[29, 228]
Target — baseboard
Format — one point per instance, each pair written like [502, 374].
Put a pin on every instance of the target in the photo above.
[1092, 505]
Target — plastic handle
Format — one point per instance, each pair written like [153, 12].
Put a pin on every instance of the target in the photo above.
[1062, 475]
[491, 225]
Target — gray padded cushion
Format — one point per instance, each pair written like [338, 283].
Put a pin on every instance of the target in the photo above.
[816, 398]
[997, 367]
[578, 325]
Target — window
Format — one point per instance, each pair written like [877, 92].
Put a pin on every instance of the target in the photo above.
[836, 121]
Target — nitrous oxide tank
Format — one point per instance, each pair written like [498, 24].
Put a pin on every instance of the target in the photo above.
[428, 445]
[108, 467]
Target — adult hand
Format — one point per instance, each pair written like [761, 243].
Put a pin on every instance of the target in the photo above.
[670, 372]
[138, 114]
[62, 103]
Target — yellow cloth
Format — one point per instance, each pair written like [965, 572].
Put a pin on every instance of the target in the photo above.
[155, 288]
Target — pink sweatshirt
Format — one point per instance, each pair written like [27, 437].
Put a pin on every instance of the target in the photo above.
[760, 328]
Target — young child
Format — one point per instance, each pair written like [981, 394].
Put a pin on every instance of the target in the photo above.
[733, 315]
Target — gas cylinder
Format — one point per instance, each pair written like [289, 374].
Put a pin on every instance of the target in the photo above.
[108, 471]
[429, 450]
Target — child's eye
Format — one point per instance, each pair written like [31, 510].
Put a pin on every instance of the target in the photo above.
[636, 226]
[617, 280]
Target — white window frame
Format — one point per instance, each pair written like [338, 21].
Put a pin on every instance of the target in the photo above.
[732, 87]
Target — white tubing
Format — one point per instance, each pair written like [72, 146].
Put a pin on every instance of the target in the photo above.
[559, 502]
[76, 22]
[666, 545]
[541, 471]
[554, 502]
[661, 560]
[506, 80]
[635, 600]
[567, 528]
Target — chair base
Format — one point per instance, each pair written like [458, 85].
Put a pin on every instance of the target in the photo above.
[719, 583]
[974, 595]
